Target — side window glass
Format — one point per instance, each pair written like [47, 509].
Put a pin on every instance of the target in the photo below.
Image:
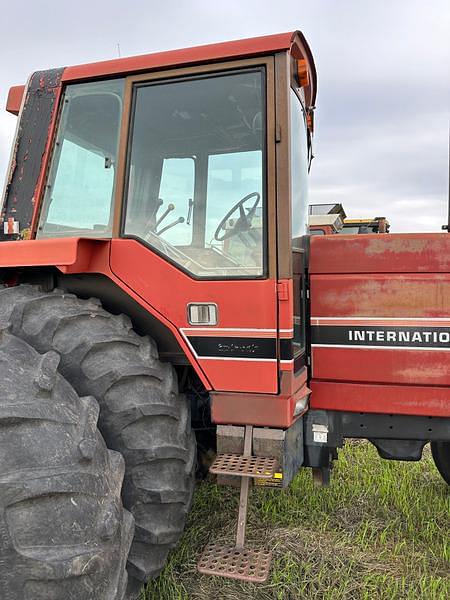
[299, 168]
[195, 187]
[230, 177]
[176, 193]
[299, 218]
[80, 187]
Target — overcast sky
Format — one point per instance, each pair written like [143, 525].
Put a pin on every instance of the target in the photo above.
[382, 120]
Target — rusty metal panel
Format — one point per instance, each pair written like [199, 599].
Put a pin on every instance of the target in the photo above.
[380, 323]
[389, 295]
[393, 253]
[28, 153]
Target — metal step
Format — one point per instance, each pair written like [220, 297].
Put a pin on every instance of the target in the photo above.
[244, 466]
[228, 561]
[239, 562]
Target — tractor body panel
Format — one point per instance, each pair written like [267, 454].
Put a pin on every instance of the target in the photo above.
[380, 323]
[242, 353]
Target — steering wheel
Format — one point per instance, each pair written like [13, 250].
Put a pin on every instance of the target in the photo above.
[243, 223]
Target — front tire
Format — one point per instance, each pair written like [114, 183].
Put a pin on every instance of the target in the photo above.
[142, 415]
[63, 531]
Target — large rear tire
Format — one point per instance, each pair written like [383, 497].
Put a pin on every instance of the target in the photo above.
[441, 456]
[142, 415]
[63, 531]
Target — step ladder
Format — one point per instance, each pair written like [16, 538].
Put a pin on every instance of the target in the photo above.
[239, 562]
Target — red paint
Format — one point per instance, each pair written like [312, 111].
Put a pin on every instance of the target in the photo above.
[249, 304]
[75, 255]
[210, 53]
[396, 253]
[242, 304]
[14, 101]
[63, 252]
[380, 365]
[228, 408]
[387, 399]
[390, 280]
[241, 376]
[252, 409]
[286, 307]
[381, 295]
[397, 276]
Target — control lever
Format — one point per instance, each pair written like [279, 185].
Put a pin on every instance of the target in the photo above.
[189, 215]
[168, 210]
[170, 225]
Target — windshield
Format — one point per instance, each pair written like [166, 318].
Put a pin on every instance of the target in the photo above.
[195, 188]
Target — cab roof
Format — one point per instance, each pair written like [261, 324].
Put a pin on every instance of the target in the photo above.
[293, 42]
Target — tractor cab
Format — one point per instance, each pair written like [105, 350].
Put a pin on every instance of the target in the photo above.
[183, 161]
[192, 166]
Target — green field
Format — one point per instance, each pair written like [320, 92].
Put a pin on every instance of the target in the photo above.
[380, 531]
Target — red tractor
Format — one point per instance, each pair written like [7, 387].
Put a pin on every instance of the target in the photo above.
[157, 278]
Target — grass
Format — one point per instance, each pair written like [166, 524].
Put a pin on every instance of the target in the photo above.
[380, 531]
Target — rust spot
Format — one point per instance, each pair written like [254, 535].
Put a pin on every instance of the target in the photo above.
[383, 296]
[396, 245]
[433, 372]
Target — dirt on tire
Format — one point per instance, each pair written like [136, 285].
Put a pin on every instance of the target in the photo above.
[142, 415]
[63, 530]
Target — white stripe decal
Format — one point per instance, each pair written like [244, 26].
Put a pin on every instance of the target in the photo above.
[221, 329]
[440, 319]
[271, 360]
[442, 349]
[188, 330]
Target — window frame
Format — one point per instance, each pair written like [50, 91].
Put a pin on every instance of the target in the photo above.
[301, 356]
[265, 65]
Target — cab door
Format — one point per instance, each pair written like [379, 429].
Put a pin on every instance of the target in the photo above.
[196, 241]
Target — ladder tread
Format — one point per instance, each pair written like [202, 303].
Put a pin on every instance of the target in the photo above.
[235, 563]
[260, 467]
